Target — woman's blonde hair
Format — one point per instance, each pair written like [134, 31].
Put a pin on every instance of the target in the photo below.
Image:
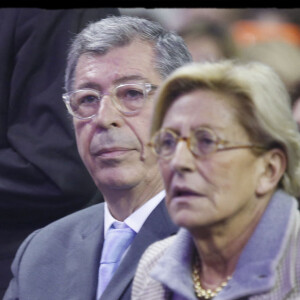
[263, 106]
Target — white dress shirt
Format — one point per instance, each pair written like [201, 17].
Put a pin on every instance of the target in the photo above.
[136, 220]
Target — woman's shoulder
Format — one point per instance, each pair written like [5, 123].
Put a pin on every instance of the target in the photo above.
[154, 252]
[157, 249]
[144, 286]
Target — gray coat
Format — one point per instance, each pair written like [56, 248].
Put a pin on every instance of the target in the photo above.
[61, 261]
[268, 268]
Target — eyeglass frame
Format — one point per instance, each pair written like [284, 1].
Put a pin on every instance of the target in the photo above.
[147, 88]
[219, 143]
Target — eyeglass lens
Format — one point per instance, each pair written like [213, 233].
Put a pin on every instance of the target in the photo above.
[127, 98]
[84, 103]
[201, 142]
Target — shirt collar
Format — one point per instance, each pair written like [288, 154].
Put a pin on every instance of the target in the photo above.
[136, 220]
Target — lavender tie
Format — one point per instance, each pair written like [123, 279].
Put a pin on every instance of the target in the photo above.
[117, 240]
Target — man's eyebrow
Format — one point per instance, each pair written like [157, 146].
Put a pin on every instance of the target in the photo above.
[90, 85]
[130, 78]
[124, 79]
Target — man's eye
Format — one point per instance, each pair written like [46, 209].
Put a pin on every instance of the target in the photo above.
[89, 99]
[134, 94]
[130, 94]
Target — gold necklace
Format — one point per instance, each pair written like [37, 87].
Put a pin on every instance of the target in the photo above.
[199, 290]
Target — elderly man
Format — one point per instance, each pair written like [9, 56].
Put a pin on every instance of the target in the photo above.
[114, 67]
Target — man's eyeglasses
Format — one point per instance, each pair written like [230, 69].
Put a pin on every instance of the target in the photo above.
[128, 98]
[202, 142]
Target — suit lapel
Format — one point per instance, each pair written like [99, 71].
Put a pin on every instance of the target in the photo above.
[157, 226]
[84, 257]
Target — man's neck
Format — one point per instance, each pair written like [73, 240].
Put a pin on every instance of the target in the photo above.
[136, 220]
[122, 203]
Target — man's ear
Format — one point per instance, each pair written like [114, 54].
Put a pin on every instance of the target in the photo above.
[274, 165]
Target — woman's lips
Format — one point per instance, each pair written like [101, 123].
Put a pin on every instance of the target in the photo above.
[183, 192]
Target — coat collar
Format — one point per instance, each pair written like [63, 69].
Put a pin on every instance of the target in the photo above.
[84, 255]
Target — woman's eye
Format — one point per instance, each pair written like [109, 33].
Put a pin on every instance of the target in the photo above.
[167, 142]
[205, 141]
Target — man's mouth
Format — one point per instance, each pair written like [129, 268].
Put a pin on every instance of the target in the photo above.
[112, 152]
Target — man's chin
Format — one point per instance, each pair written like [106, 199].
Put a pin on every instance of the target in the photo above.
[117, 179]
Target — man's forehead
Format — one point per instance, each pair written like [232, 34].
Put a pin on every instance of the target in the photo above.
[116, 69]
[119, 80]
[86, 79]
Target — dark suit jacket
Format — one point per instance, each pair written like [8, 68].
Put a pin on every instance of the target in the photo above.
[61, 261]
[42, 177]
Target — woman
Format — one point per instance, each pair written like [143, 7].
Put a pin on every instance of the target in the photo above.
[229, 153]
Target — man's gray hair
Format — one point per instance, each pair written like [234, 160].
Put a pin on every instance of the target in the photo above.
[106, 34]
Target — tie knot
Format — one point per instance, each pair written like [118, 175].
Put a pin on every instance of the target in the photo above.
[117, 240]
[118, 225]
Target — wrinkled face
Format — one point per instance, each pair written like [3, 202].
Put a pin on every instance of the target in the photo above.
[207, 190]
[112, 145]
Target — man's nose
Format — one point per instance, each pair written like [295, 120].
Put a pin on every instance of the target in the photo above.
[107, 114]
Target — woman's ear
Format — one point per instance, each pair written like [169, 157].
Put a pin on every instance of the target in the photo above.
[274, 165]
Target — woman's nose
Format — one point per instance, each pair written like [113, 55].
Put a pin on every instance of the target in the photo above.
[183, 159]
